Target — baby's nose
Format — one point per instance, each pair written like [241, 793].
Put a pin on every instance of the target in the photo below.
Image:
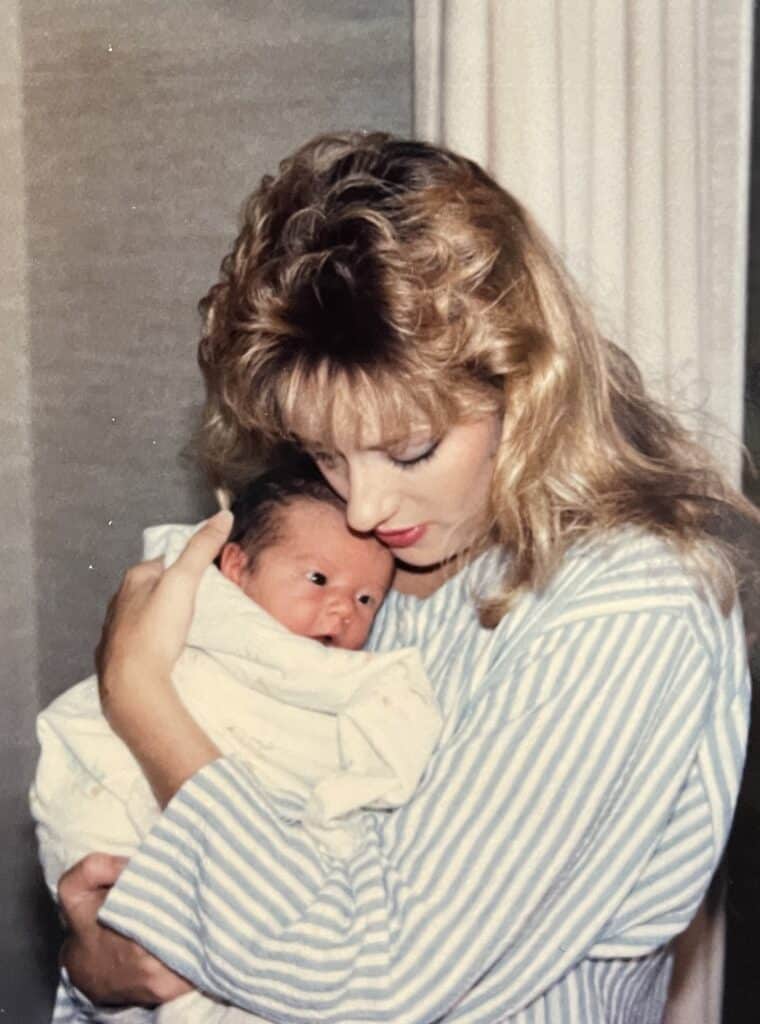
[337, 617]
[341, 606]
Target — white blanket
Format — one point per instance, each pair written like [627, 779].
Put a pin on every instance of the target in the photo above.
[327, 731]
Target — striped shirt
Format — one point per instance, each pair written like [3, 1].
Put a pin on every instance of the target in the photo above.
[565, 831]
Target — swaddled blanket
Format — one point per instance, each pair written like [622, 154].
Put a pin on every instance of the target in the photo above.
[328, 732]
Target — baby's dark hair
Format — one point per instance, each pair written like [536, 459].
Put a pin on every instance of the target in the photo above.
[258, 508]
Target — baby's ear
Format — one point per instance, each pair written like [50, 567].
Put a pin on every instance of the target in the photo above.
[233, 562]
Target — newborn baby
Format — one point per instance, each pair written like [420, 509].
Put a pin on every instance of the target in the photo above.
[328, 729]
[292, 552]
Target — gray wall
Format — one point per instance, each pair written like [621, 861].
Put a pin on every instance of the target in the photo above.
[129, 134]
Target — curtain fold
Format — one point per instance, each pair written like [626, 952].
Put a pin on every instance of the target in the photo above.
[624, 127]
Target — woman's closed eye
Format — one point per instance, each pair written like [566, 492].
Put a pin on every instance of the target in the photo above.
[413, 456]
[406, 457]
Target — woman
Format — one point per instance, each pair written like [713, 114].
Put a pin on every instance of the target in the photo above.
[389, 309]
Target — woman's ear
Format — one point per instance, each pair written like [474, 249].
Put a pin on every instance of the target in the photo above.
[233, 562]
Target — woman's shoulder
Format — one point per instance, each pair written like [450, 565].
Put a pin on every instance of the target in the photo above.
[632, 567]
[633, 573]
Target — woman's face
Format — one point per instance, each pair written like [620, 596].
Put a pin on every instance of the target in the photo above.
[426, 499]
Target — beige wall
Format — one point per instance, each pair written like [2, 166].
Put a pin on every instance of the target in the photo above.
[129, 132]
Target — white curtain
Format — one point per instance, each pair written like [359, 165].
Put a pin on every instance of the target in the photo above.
[624, 126]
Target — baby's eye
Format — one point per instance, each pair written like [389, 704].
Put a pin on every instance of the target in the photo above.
[317, 578]
[366, 599]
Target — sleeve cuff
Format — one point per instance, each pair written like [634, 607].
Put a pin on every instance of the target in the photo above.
[73, 1007]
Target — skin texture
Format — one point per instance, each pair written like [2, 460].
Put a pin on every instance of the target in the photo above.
[319, 579]
[442, 486]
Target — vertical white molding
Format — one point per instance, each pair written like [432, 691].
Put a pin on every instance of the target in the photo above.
[605, 170]
[465, 89]
[427, 29]
[527, 95]
[683, 329]
[645, 326]
[729, 41]
[576, 113]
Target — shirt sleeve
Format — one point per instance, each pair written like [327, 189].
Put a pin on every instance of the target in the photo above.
[540, 812]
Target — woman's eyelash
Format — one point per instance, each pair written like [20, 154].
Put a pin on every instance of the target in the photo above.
[423, 457]
[330, 461]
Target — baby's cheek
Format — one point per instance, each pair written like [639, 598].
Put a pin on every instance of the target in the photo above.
[358, 638]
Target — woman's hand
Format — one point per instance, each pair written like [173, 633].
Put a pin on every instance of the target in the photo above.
[105, 966]
[149, 617]
[143, 635]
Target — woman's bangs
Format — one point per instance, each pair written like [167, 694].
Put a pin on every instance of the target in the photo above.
[338, 409]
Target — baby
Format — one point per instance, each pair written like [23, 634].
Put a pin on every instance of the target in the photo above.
[328, 729]
[291, 551]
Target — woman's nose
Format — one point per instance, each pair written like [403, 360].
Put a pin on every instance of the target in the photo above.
[369, 504]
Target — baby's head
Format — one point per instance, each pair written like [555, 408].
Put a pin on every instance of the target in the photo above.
[292, 552]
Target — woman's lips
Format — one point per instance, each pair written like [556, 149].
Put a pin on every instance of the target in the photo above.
[401, 538]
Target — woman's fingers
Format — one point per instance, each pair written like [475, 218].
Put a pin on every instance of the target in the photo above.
[94, 871]
[205, 544]
[143, 574]
[105, 966]
[83, 887]
[173, 598]
[147, 622]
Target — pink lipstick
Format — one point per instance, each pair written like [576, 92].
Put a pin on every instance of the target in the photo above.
[401, 538]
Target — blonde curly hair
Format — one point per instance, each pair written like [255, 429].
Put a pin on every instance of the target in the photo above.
[393, 280]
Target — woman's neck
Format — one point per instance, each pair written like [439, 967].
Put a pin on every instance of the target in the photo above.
[423, 582]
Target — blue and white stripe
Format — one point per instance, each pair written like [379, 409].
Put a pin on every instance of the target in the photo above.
[565, 831]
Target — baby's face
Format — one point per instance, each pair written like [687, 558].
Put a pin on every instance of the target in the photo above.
[320, 579]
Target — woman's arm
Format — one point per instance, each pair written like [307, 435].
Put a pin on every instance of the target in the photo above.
[143, 636]
[520, 855]
[109, 968]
